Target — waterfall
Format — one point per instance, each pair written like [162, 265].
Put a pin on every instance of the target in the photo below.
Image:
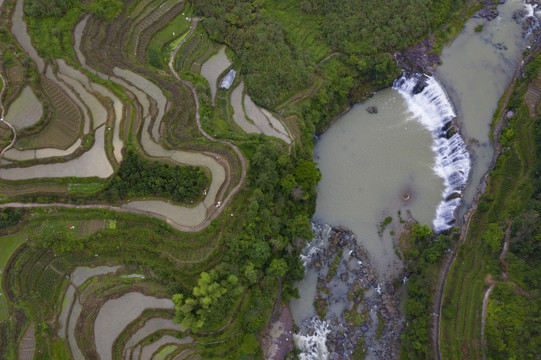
[428, 102]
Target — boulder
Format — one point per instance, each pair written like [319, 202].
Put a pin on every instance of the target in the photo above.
[389, 288]
[372, 109]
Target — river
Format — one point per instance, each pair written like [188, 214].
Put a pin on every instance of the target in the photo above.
[403, 161]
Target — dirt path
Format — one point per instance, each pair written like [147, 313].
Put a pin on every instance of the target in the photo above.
[484, 317]
[215, 214]
[5, 122]
[505, 277]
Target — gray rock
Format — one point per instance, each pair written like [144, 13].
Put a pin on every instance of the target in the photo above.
[389, 288]
[372, 109]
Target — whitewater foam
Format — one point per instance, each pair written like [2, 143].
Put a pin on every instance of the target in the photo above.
[429, 104]
[531, 18]
[312, 345]
[318, 242]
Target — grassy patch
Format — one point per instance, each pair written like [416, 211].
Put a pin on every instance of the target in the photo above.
[165, 41]
[333, 267]
[8, 244]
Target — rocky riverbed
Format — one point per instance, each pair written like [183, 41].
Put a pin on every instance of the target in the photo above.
[361, 313]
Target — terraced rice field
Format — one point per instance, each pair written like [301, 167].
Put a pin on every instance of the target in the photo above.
[239, 116]
[92, 308]
[63, 129]
[116, 314]
[266, 122]
[197, 49]
[14, 74]
[8, 244]
[83, 89]
[92, 163]
[148, 16]
[26, 346]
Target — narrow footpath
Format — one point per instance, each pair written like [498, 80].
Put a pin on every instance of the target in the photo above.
[3, 116]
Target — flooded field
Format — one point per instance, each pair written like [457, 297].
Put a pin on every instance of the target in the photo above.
[262, 121]
[238, 115]
[26, 110]
[92, 163]
[19, 30]
[81, 84]
[187, 216]
[116, 314]
[213, 67]
[83, 273]
[118, 107]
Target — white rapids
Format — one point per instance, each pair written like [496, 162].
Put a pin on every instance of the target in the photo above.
[312, 345]
[428, 102]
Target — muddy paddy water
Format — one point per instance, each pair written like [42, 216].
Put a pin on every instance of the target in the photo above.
[25, 111]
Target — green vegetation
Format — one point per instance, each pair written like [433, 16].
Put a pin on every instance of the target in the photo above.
[384, 225]
[9, 244]
[423, 262]
[138, 177]
[10, 217]
[211, 299]
[50, 24]
[333, 267]
[258, 40]
[165, 41]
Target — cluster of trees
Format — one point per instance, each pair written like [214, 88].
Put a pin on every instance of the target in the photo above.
[10, 217]
[273, 68]
[210, 294]
[139, 177]
[423, 262]
[104, 9]
[46, 8]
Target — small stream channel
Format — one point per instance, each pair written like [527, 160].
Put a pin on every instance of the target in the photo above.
[399, 162]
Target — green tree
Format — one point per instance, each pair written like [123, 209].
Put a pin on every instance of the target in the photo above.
[422, 232]
[192, 311]
[277, 267]
[492, 236]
